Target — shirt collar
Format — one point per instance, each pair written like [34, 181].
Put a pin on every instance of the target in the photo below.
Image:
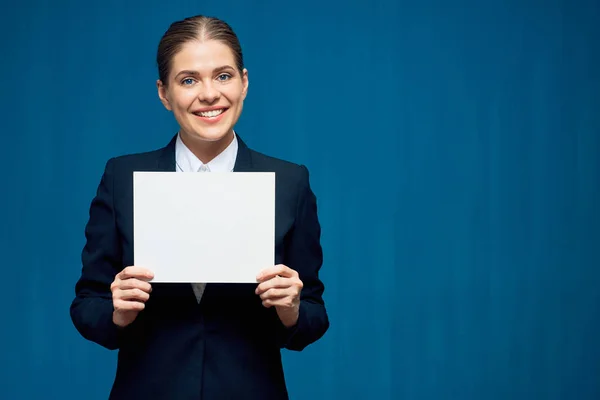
[188, 162]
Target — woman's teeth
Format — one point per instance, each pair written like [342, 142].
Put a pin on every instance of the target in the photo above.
[210, 114]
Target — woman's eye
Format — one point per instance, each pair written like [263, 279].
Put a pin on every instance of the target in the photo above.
[187, 81]
[223, 77]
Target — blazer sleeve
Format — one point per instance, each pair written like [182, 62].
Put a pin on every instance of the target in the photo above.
[305, 255]
[92, 308]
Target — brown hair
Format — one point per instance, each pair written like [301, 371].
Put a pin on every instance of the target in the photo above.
[198, 27]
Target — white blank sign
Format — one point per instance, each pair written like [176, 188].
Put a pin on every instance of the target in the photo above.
[204, 227]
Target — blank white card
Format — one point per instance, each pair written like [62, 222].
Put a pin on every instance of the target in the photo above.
[204, 227]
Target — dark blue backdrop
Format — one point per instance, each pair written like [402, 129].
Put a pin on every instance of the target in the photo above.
[454, 149]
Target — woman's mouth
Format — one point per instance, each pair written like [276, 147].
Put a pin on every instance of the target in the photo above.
[212, 115]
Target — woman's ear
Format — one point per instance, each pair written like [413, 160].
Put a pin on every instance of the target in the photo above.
[162, 94]
[245, 83]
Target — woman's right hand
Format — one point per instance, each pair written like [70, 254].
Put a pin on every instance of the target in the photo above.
[130, 291]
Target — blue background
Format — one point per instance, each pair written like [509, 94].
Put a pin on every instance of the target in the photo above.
[454, 148]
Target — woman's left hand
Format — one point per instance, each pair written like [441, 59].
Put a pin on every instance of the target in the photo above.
[280, 286]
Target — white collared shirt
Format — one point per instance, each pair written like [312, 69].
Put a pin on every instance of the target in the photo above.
[186, 161]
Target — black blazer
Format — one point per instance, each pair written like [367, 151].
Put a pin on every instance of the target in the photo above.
[226, 347]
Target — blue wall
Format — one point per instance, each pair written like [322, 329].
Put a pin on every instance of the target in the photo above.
[454, 150]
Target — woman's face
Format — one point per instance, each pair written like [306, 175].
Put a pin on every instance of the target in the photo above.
[205, 90]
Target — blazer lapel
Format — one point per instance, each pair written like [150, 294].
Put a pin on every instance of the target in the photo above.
[166, 157]
[243, 161]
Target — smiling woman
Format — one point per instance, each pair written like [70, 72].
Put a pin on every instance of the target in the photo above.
[196, 340]
[205, 88]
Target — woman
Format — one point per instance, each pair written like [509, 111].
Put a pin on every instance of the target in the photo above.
[194, 341]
